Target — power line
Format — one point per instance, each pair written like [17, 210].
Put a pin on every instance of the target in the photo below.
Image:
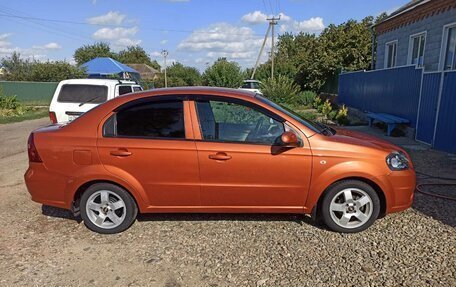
[118, 26]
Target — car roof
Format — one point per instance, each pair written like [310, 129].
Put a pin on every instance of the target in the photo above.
[198, 90]
[251, 81]
[96, 81]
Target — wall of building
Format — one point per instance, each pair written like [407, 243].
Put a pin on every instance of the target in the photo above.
[433, 25]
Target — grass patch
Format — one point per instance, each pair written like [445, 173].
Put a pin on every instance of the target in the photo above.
[30, 114]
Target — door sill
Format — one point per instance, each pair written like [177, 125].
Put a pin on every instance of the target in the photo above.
[226, 209]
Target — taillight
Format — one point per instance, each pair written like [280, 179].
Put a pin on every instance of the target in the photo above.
[53, 117]
[32, 151]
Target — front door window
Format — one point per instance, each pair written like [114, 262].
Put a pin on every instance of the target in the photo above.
[233, 122]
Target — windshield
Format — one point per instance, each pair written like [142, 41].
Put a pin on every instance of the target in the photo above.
[316, 127]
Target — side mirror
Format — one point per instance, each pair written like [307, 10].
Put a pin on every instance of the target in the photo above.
[289, 139]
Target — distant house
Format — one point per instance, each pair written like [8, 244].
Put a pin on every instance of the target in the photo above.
[415, 72]
[422, 32]
[146, 71]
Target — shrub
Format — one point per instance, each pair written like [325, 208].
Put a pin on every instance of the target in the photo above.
[281, 90]
[342, 116]
[326, 108]
[10, 106]
[317, 103]
[306, 98]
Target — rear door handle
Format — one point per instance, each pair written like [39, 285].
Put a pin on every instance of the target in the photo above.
[220, 156]
[120, 152]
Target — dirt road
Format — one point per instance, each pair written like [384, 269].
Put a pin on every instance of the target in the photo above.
[43, 246]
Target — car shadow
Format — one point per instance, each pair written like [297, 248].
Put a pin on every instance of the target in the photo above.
[59, 213]
[295, 218]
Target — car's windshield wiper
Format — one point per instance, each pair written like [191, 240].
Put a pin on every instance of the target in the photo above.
[88, 101]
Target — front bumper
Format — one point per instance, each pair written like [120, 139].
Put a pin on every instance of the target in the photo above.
[399, 189]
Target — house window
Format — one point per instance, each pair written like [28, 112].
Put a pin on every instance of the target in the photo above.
[416, 49]
[390, 54]
[450, 48]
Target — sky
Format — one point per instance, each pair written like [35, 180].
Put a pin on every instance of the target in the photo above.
[194, 32]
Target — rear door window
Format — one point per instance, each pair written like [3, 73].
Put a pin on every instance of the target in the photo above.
[137, 89]
[164, 119]
[83, 94]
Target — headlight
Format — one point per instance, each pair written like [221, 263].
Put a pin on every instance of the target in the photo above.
[397, 161]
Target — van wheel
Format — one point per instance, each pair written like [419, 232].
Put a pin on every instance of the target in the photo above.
[107, 208]
[350, 206]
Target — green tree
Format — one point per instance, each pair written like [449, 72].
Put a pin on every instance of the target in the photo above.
[89, 52]
[179, 75]
[19, 69]
[55, 71]
[223, 74]
[136, 55]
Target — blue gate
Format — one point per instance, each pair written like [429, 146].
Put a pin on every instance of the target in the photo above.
[445, 133]
[430, 88]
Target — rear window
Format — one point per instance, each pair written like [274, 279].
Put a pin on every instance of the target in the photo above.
[137, 89]
[124, 90]
[83, 94]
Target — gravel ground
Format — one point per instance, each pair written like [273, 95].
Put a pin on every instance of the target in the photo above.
[47, 246]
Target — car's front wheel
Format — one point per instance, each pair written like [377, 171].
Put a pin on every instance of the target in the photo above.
[350, 206]
[107, 208]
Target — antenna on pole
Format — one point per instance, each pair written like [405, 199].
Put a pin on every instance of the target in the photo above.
[272, 23]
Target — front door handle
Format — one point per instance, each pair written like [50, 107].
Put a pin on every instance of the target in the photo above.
[120, 152]
[220, 156]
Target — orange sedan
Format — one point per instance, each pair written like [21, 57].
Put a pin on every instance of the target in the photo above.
[213, 150]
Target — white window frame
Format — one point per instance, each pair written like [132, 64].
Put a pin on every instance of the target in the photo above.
[387, 54]
[444, 45]
[410, 50]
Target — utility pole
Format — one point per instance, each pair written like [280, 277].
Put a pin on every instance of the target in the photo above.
[165, 54]
[272, 23]
[261, 51]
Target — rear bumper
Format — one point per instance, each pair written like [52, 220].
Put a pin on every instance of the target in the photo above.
[399, 189]
[46, 187]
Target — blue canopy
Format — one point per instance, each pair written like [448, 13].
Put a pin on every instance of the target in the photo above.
[103, 66]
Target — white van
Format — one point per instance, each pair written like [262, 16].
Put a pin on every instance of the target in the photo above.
[72, 98]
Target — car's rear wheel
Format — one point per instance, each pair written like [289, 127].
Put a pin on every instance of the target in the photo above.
[107, 208]
[350, 206]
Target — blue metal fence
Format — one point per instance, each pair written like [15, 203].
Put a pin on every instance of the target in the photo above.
[428, 107]
[426, 99]
[394, 91]
[445, 133]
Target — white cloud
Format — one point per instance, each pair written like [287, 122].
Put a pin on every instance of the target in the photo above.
[256, 17]
[163, 42]
[111, 18]
[284, 18]
[313, 25]
[48, 46]
[34, 53]
[287, 24]
[155, 54]
[224, 40]
[119, 37]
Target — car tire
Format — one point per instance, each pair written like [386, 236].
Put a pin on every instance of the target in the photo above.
[107, 208]
[350, 206]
